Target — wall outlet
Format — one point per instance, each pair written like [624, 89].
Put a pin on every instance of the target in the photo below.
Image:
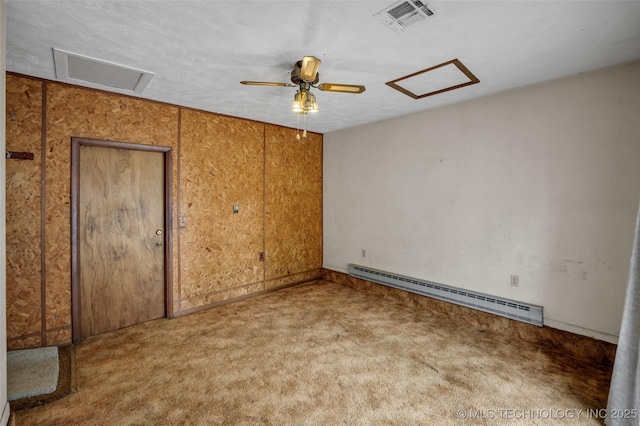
[182, 222]
[515, 281]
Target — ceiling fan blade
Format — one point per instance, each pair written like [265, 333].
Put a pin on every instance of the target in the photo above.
[266, 83]
[344, 88]
[309, 68]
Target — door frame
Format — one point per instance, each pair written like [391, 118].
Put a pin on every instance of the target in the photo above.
[76, 143]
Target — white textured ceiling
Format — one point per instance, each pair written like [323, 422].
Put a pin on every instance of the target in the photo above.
[201, 50]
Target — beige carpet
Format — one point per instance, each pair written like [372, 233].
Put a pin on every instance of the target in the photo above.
[321, 354]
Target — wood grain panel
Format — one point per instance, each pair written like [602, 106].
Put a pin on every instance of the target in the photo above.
[221, 166]
[121, 206]
[74, 111]
[23, 133]
[293, 219]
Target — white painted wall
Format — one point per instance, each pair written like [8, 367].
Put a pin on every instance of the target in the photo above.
[542, 182]
[4, 405]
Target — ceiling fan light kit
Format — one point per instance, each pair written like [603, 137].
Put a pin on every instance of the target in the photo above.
[304, 102]
[305, 75]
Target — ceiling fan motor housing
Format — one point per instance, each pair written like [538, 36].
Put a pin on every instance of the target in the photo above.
[295, 75]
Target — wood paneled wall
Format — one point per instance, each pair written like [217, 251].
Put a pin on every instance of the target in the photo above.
[218, 162]
[24, 256]
[293, 205]
[221, 166]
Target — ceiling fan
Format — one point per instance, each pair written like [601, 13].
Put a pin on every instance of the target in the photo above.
[305, 75]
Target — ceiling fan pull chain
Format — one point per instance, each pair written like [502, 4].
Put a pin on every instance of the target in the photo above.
[304, 120]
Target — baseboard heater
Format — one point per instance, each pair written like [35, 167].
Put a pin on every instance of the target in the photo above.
[531, 314]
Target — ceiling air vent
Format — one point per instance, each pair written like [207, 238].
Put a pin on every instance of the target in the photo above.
[403, 13]
[96, 73]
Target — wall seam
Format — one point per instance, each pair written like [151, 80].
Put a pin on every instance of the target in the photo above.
[179, 211]
[43, 205]
[264, 206]
[321, 200]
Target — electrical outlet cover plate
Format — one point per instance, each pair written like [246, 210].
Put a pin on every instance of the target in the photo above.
[515, 281]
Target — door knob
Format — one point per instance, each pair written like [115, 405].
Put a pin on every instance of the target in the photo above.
[158, 231]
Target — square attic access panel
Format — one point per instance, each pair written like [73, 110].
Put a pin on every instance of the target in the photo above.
[96, 73]
[438, 79]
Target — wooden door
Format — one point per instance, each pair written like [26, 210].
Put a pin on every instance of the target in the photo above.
[120, 221]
